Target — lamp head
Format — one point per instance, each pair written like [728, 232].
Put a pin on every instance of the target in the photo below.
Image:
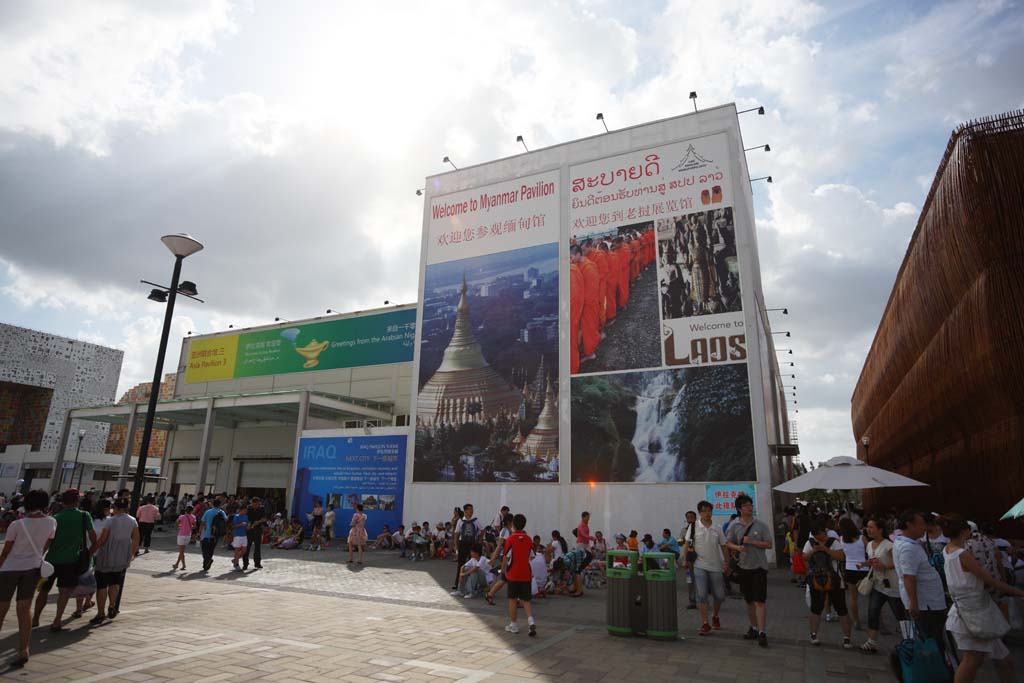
[519, 138]
[760, 111]
[600, 116]
[181, 245]
[767, 148]
[81, 433]
[785, 311]
[769, 179]
[693, 94]
[866, 441]
[446, 160]
[188, 288]
[419, 193]
[158, 295]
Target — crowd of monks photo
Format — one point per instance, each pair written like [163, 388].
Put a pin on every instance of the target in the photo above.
[602, 269]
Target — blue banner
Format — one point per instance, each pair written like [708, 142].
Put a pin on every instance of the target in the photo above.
[345, 471]
[723, 497]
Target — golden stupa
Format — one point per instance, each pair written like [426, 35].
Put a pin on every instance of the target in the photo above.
[465, 388]
[542, 441]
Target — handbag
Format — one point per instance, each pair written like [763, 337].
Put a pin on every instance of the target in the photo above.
[45, 568]
[867, 584]
[981, 616]
[920, 659]
[86, 584]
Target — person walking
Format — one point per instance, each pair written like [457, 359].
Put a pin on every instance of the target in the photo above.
[825, 563]
[185, 523]
[706, 555]
[239, 535]
[254, 534]
[687, 538]
[854, 546]
[969, 584]
[328, 525]
[26, 542]
[212, 527]
[69, 555]
[148, 516]
[116, 547]
[516, 570]
[920, 584]
[467, 529]
[750, 538]
[884, 582]
[357, 534]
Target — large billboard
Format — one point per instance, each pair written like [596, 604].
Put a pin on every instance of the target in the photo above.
[636, 267]
[376, 339]
[487, 391]
[349, 470]
[653, 235]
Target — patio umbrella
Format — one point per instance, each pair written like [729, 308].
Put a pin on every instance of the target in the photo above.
[844, 472]
[1016, 511]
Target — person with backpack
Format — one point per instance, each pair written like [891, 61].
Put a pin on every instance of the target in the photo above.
[212, 527]
[467, 529]
[825, 562]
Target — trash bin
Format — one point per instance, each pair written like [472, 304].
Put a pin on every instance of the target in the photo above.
[660, 595]
[622, 589]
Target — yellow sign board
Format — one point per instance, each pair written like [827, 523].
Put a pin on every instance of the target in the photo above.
[213, 359]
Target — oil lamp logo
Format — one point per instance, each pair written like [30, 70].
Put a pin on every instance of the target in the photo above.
[310, 351]
[692, 161]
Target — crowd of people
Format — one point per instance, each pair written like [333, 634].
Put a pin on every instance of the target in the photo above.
[601, 272]
[943, 573]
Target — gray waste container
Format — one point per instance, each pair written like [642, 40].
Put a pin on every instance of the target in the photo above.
[660, 595]
[621, 588]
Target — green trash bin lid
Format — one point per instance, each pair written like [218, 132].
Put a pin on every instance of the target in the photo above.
[655, 573]
[627, 572]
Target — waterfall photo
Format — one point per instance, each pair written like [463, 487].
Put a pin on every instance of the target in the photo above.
[663, 426]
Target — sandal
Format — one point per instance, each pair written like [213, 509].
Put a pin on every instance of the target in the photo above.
[55, 628]
[98, 619]
[489, 598]
[18, 662]
[76, 614]
[577, 594]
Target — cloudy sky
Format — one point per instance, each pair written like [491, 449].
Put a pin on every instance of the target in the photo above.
[290, 139]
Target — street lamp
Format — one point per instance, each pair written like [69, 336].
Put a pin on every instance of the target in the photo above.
[78, 449]
[865, 441]
[181, 246]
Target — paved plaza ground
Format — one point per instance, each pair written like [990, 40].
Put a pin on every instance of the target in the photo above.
[309, 617]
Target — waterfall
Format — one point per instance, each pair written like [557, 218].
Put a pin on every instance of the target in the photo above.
[654, 426]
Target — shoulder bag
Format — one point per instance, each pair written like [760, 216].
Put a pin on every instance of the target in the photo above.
[734, 557]
[867, 584]
[45, 568]
[981, 615]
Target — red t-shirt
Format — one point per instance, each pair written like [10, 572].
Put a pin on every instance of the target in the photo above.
[518, 548]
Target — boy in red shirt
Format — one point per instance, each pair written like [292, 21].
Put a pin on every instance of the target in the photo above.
[518, 550]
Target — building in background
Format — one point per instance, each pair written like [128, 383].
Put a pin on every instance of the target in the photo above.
[239, 401]
[941, 394]
[42, 377]
[140, 394]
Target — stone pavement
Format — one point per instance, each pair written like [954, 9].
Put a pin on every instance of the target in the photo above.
[309, 617]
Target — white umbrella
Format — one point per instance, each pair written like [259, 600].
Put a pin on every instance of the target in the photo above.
[844, 472]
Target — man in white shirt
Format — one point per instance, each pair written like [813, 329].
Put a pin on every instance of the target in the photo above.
[708, 543]
[920, 585]
[475, 575]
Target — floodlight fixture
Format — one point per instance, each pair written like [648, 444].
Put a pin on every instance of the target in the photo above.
[446, 160]
[519, 139]
[600, 117]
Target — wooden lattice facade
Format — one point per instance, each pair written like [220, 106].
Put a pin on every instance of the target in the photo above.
[941, 394]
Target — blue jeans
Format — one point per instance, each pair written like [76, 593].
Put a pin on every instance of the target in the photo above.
[702, 578]
[474, 584]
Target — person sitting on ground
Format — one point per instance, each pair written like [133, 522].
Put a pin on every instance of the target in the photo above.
[574, 562]
[398, 539]
[633, 542]
[277, 528]
[420, 544]
[291, 538]
[442, 543]
[384, 541]
[316, 540]
[539, 567]
[475, 576]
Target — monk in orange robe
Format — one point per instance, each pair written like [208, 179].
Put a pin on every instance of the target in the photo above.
[634, 259]
[622, 289]
[575, 307]
[589, 325]
[592, 254]
[610, 275]
[649, 241]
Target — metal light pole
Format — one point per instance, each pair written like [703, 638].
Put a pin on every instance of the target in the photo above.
[60, 484]
[81, 435]
[181, 246]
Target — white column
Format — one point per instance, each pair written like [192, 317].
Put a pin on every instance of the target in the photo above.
[204, 448]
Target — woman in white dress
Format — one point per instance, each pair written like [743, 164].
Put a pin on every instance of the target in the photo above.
[968, 579]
